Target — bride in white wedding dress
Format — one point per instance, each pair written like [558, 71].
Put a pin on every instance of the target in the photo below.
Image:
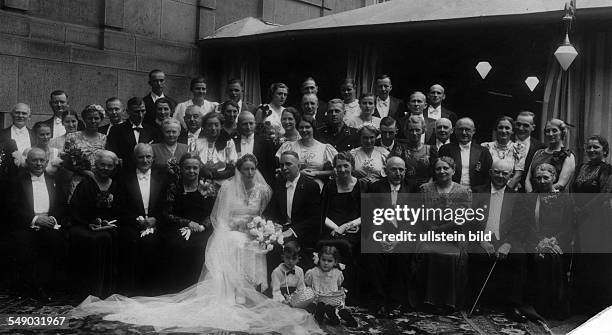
[225, 297]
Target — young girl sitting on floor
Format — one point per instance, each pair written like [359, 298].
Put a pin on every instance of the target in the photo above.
[326, 281]
[287, 277]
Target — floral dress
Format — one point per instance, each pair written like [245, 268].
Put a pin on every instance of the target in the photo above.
[77, 143]
[510, 153]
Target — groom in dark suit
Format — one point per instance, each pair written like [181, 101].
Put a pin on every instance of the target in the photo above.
[141, 202]
[37, 239]
[296, 202]
[123, 138]
[386, 105]
[466, 152]
[157, 81]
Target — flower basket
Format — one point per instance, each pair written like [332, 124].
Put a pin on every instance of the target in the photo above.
[333, 298]
[302, 298]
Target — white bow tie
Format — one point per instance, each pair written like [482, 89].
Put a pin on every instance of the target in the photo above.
[37, 178]
[143, 176]
[289, 184]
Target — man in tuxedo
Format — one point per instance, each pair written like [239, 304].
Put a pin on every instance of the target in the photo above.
[247, 142]
[157, 81]
[505, 245]
[388, 270]
[336, 132]
[472, 160]
[114, 111]
[296, 203]
[141, 202]
[22, 137]
[235, 92]
[387, 105]
[193, 120]
[38, 213]
[524, 126]
[123, 138]
[436, 110]
[309, 86]
[442, 133]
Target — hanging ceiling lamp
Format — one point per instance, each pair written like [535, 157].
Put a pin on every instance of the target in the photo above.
[566, 53]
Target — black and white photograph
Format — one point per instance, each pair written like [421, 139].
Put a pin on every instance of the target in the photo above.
[306, 167]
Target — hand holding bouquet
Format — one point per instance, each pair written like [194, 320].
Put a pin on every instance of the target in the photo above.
[264, 233]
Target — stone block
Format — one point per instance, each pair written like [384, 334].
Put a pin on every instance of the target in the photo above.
[104, 58]
[143, 17]
[16, 4]
[48, 30]
[10, 45]
[8, 81]
[14, 25]
[178, 87]
[146, 64]
[132, 84]
[113, 13]
[91, 37]
[207, 23]
[83, 12]
[178, 21]
[45, 50]
[162, 50]
[209, 4]
[84, 84]
[114, 40]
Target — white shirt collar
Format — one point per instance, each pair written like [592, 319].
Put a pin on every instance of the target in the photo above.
[143, 176]
[465, 146]
[384, 102]
[496, 191]
[395, 187]
[22, 130]
[525, 142]
[294, 181]
[248, 139]
[154, 96]
[40, 178]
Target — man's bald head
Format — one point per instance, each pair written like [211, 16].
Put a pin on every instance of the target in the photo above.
[465, 130]
[395, 169]
[20, 113]
[443, 129]
[246, 123]
[500, 172]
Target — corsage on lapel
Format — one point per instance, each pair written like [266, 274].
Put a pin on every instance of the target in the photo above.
[478, 166]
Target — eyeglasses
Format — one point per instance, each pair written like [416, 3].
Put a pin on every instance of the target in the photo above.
[500, 172]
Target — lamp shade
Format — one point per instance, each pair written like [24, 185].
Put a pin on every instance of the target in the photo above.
[566, 53]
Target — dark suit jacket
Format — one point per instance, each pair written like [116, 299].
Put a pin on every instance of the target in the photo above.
[150, 106]
[5, 135]
[130, 202]
[104, 128]
[382, 186]
[480, 162]
[509, 230]
[121, 141]
[397, 108]
[49, 122]
[265, 152]
[23, 201]
[305, 210]
[533, 147]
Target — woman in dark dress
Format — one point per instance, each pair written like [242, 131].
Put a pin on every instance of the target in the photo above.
[419, 157]
[593, 188]
[93, 236]
[187, 214]
[548, 231]
[341, 215]
[442, 266]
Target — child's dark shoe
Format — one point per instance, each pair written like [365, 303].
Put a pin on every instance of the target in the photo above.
[330, 311]
[319, 313]
[345, 315]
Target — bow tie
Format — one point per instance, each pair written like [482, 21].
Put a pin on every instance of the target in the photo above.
[394, 190]
[143, 176]
[37, 178]
[137, 128]
[384, 102]
[290, 272]
[289, 184]
[20, 131]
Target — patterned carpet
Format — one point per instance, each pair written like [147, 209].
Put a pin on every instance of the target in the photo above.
[411, 323]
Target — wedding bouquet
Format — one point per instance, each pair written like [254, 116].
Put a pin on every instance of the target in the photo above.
[264, 233]
[74, 158]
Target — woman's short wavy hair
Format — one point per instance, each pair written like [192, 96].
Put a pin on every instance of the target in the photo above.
[275, 87]
[101, 154]
[602, 141]
[345, 156]
[563, 127]
[370, 128]
[545, 167]
[93, 108]
[448, 160]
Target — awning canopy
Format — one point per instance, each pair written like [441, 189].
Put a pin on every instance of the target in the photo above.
[245, 27]
[399, 13]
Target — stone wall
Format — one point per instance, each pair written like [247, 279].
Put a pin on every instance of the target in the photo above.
[95, 49]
